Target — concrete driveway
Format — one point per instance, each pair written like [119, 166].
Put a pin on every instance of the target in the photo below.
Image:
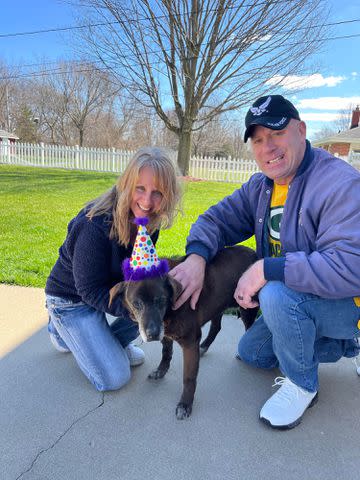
[54, 425]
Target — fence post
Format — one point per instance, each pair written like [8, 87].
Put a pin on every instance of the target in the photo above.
[76, 157]
[42, 154]
[113, 166]
[8, 151]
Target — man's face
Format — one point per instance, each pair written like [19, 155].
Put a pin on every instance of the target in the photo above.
[279, 153]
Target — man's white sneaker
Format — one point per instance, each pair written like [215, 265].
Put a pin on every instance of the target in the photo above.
[286, 407]
[135, 355]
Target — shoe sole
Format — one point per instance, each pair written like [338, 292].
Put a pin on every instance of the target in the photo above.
[137, 363]
[293, 424]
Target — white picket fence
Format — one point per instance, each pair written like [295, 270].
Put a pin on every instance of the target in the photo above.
[222, 169]
[61, 156]
[112, 160]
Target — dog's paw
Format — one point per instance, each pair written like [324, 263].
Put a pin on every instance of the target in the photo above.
[183, 411]
[157, 374]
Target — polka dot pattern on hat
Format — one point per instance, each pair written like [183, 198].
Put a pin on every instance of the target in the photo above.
[144, 254]
[144, 262]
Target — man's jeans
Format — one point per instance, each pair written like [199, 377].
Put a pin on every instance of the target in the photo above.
[97, 346]
[297, 331]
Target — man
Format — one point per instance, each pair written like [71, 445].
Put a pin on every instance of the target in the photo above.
[304, 209]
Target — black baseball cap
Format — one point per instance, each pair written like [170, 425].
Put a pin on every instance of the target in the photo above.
[271, 111]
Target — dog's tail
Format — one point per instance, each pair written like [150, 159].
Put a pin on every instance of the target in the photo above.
[248, 316]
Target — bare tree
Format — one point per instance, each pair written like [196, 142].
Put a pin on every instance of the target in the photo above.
[240, 149]
[340, 124]
[344, 119]
[89, 109]
[85, 91]
[71, 96]
[185, 55]
[49, 108]
[71, 103]
[324, 132]
[26, 127]
[213, 139]
[8, 93]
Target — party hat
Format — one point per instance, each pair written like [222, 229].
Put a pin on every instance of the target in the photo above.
[144, 262]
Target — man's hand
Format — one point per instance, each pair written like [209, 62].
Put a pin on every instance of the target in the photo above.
[190, 274]
[249, 284]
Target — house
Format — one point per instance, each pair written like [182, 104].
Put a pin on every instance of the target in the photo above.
[7, 138]
[7, 144]
[344, 143]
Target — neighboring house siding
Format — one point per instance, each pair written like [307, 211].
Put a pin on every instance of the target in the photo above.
[341, 149]
[341, 144]
[7, 137]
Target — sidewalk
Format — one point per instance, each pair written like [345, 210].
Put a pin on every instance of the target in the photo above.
[54, 425]
[22, 314]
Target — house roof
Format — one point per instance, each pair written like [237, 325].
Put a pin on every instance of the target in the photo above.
[5, 134]
[348, 136]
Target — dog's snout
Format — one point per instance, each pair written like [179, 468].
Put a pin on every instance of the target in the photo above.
[152, 334]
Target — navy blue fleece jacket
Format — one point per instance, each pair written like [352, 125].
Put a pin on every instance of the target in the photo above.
[89, 264]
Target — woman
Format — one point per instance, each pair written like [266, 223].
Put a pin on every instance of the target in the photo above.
[99, 238]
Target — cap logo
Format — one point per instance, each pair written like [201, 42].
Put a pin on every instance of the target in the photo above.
[261, 108]
[277, 124]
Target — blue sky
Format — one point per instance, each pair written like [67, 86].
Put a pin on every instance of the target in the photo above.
[334, 87]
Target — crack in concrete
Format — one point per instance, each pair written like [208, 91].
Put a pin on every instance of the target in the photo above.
[61, 436]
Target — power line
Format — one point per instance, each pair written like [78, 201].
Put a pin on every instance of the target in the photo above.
[59, 70]
[44, 64]
[100, 24]
[53, 30]
[76, 27]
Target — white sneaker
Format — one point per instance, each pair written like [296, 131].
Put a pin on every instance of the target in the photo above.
[135, 355]
[58, 343]
[286, 407]
[357, 365]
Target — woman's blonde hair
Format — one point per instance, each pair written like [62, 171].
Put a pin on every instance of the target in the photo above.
[117, 200]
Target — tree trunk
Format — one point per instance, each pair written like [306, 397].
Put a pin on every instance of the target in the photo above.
[81, 139]
[184, 151]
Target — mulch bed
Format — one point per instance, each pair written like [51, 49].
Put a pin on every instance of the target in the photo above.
[188, 178]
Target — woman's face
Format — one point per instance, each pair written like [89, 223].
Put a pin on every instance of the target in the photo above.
[146, 198]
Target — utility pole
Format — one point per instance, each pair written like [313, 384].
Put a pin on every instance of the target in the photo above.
[7, 108]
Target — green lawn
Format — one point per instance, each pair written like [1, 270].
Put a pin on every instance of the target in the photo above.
[37, 204]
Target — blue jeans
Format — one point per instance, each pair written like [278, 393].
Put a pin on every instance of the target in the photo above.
[97, 347]
[297, 331]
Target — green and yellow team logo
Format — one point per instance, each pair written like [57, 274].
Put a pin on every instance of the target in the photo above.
[274, 225]
[278, 199]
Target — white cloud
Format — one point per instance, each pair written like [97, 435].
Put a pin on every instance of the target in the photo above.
[327, 103]
[319, 117]
[295, 82]
[354, 74]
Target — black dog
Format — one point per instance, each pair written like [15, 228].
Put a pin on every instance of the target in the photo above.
[150, 301]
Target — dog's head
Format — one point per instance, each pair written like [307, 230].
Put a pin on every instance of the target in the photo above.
[147, 302]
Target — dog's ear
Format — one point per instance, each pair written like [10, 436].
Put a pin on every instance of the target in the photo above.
[118, 289]
[176, 288]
